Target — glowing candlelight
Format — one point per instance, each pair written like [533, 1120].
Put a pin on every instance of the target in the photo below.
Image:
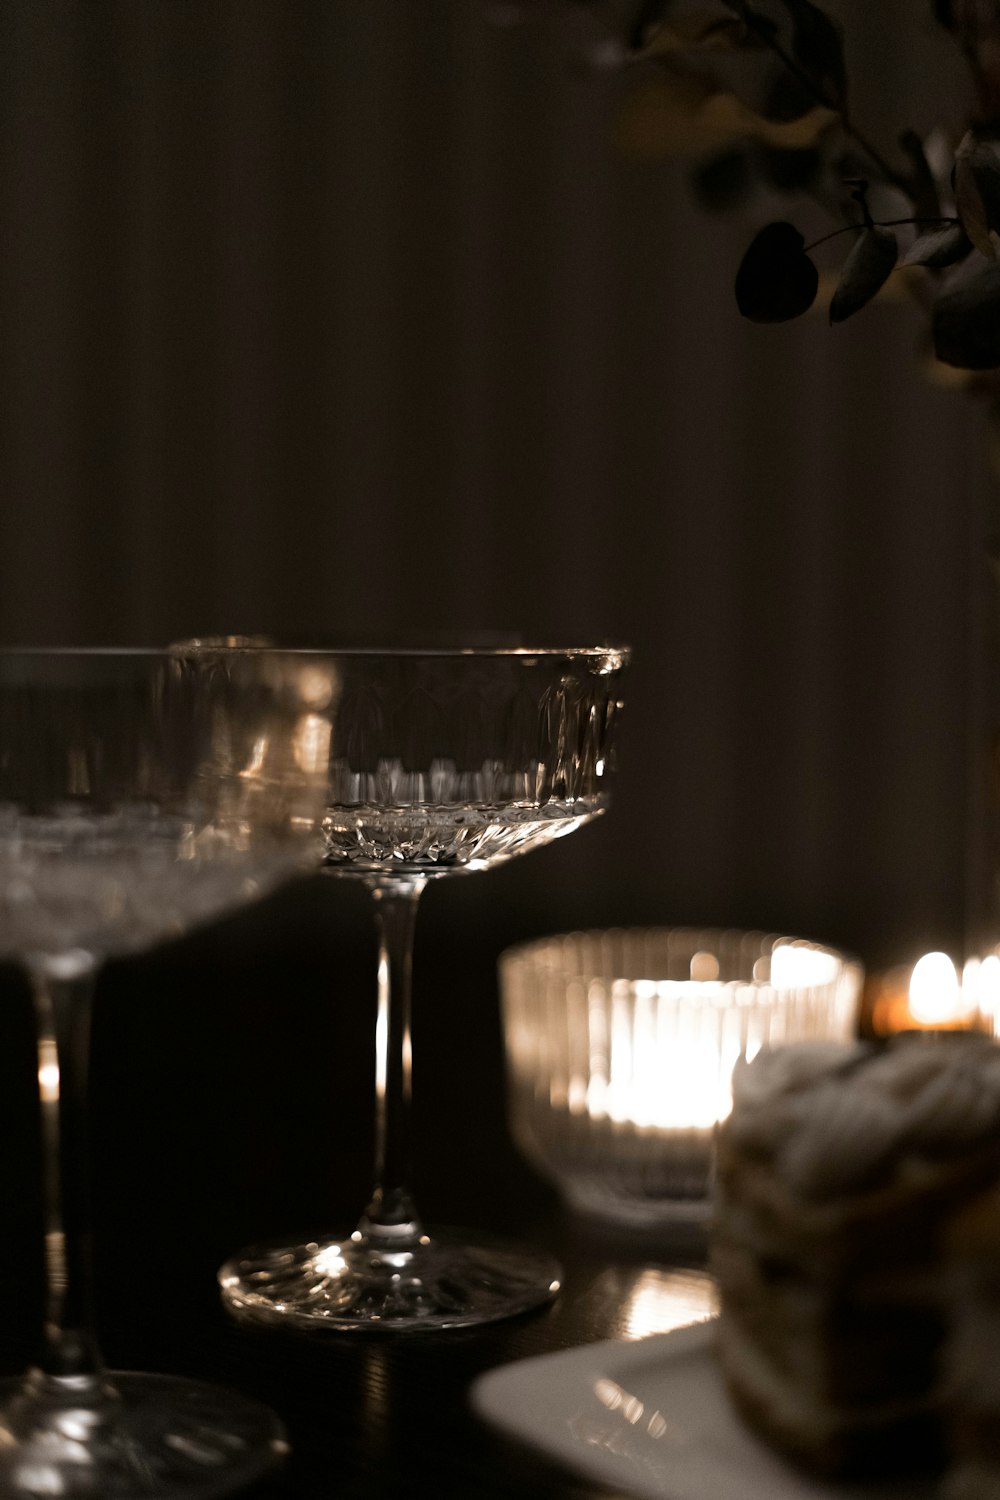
[931, 996]
[662, 1054]
[935, 996]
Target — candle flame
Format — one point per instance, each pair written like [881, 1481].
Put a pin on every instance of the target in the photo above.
[936, 998]
[981, 979]
[669, 1058]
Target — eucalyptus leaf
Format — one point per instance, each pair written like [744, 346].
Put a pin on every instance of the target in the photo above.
[787, 97]
[923, 187]
[705, 28]
[761, 29]
[974, 171]
[818, 47]
[939, 248]
[648, 16]
[776, 279]
[966, 322]
[985, 166]
[868, 266]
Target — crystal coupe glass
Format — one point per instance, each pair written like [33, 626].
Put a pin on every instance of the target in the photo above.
[140, 793]
[441, 762]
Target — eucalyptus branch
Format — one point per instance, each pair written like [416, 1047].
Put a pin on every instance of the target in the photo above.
[878, 224]
[765, 34]
[776, 279]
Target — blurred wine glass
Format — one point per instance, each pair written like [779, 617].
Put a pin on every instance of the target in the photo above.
[140, 793]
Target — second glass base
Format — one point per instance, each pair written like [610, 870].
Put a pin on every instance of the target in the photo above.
[448, 1280]
[144, 1437]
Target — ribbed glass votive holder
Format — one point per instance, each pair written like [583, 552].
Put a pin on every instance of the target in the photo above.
[620, 1046]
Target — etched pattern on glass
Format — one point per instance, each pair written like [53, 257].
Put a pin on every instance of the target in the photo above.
[527, 765]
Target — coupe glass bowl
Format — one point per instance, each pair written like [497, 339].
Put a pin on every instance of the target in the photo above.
[440, 763]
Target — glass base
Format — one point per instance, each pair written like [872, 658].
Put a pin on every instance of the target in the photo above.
[448, 1280]
[134, 1438]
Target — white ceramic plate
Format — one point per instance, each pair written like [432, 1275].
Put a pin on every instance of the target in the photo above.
[650, 1418]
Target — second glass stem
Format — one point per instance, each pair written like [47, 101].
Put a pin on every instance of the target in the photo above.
[63, 989]
[390, 1221]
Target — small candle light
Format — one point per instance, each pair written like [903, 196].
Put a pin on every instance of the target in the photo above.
[621, 1046]
[929, 996]
[981, 979]
[670, 1054]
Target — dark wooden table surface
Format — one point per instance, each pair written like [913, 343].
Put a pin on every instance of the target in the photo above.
[232, 1079]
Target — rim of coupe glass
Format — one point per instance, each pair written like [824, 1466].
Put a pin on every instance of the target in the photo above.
[239, 648]
[229, 644]
[152, 653]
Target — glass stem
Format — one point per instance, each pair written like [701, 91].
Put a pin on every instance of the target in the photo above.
[63, 992]
[390, 1221]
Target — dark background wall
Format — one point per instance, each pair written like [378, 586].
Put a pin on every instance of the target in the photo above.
[328, 316]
